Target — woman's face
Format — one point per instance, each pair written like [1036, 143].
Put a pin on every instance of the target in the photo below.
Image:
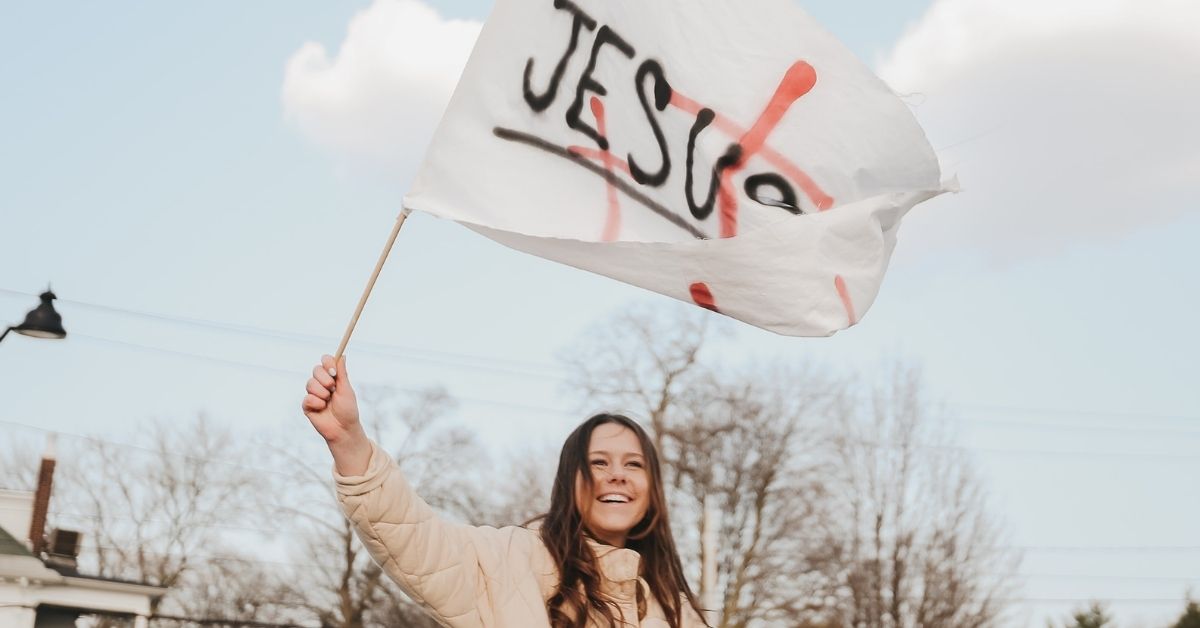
[619, 496]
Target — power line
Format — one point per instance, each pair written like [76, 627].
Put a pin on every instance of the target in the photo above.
[1039, 549]
[513, 367]
[217, 557]
[76, 516]
[1148, 456]
[445, 358]
[1109, 549]
[220, 558]
[1082, 413]
[1085, 600]
[297, 374]
[557, 412]
[1122, 578]
[1143, 430]
[1087, 549]
[151, 450]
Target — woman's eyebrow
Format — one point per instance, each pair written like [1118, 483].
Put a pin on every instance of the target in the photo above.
[604, 452]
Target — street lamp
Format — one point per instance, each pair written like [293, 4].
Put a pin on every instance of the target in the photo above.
[42, 321]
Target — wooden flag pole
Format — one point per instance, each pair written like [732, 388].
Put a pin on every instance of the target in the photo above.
[387, 248]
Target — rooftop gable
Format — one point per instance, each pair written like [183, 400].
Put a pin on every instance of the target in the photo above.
[10, 546]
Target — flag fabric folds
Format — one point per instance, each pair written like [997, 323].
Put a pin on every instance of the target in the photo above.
[732, 155]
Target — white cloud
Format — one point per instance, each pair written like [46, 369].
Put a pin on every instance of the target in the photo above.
[1064, 119]
[379, 98]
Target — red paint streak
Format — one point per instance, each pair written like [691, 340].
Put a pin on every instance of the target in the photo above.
[840, 284]
[612, 223]
[797, 81]
[727, 202]
[703, 296]
[598, 155]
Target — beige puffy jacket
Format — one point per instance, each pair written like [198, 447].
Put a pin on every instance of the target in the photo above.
[475, 577]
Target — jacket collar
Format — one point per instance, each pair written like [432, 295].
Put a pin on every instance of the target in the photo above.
[618, 569]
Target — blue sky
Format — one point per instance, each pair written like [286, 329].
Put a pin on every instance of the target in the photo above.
[149, 167]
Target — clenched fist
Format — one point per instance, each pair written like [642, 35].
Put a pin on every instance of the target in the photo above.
[332, 409]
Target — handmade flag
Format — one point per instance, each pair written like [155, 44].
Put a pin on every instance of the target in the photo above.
[730, 154]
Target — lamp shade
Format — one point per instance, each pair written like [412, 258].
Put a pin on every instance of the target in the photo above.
[42, 321]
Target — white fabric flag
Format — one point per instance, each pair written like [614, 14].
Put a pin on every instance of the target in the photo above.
[730, 154]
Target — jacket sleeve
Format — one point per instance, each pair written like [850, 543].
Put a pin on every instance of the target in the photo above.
[438, 563]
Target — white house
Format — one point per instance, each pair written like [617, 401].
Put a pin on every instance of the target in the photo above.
[39, 584]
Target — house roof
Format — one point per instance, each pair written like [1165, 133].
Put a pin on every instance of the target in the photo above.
[10, 546]
[71, 572]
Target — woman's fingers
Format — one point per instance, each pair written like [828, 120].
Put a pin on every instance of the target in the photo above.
[317, 390]
[313, 403]
[321, 374]
[329, 393]
[328, 364]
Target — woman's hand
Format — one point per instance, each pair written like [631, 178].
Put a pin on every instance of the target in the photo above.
[332, 409]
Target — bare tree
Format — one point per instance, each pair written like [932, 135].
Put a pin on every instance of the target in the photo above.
[190, 508]
[19, 460]
[152, 510]
[156, 510]
[524, 493]
[642, 363]
[1096, 615]
[919, 549]
[238, 592]
[751, 444]
[833, 512]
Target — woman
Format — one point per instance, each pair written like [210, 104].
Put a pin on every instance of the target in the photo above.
[603, 556]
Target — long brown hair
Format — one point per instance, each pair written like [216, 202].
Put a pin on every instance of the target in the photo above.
[563, 532]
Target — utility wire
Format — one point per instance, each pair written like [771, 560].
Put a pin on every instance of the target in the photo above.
[1039, 549]
[509, 366]
[562, 413]
[150, 450]
[294, 374]
[1147, 456]
[217, 557]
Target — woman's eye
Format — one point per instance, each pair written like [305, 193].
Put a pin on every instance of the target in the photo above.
[598, 463]
[636, 465]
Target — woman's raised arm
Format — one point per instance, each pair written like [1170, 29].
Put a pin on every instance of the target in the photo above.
[444, 566]
[332, 409]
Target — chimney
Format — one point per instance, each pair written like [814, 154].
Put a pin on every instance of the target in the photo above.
[62, 549]
[41, 499]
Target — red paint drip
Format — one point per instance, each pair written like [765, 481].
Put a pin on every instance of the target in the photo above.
[612, 223]
[703, 296]
[844, 293]
[798, 81]
[727, 203]
[598, 155]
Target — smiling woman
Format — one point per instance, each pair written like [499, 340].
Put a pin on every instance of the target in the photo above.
[612, 496]
[602, 556]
